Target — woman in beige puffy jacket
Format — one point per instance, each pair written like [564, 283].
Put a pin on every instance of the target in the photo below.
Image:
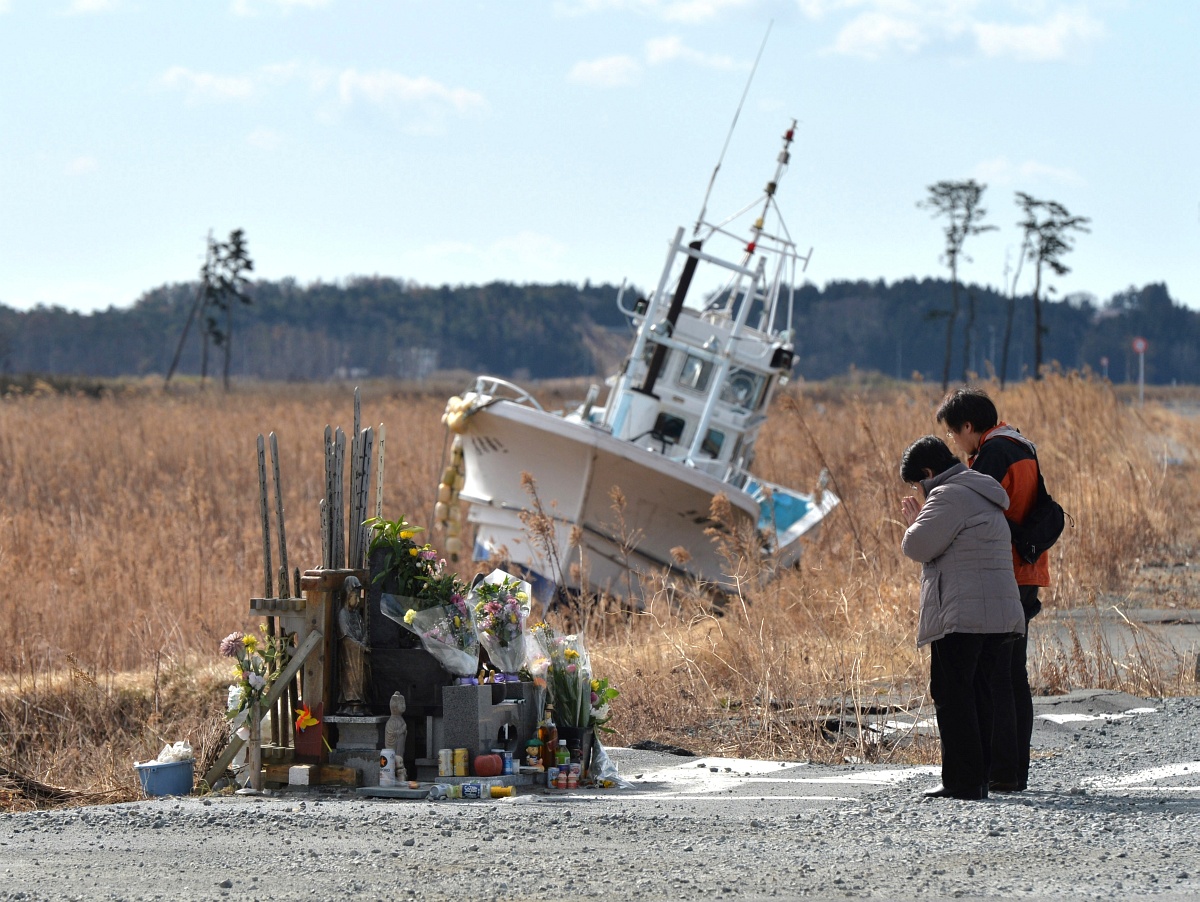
[970, 606]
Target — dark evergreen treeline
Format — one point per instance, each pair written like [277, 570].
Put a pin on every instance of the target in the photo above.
[387, 327]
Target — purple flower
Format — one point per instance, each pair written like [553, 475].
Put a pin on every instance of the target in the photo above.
[230, 645]
[428, 555]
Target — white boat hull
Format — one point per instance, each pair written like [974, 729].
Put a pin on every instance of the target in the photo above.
[576, 470]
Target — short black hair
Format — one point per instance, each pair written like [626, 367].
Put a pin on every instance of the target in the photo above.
[968, 405]
[927, 453]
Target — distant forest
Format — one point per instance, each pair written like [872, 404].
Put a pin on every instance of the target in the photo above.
[383, 327]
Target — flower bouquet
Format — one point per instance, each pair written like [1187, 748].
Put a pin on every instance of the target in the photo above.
[581, 700]
[254, 670]
[257, 664]
[448, 633]
[436, 587]
[500, 603]
[401, 565]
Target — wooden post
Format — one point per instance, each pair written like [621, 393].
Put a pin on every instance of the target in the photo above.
[318, 673]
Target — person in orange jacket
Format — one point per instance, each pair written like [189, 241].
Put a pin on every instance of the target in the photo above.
[1002, 452]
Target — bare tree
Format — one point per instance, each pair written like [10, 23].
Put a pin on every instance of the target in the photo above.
[227, 283]
[959, 203]
[222, 281]
[1011, 307]
[1046, 227]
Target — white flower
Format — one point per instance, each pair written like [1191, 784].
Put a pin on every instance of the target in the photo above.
[235, 698]
[243, 733]
[600, 713]
[256, 680]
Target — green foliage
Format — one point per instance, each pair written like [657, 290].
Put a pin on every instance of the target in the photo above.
[295, 332]
[405, 566]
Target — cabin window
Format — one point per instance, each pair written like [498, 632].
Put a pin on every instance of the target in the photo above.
[695, 373]
[743, 388]
[712, 443]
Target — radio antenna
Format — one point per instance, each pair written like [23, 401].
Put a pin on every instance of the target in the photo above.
[732, 126]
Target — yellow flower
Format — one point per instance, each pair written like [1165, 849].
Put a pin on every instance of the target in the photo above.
[570, 653]
[522, 596]
[457, 621]
[409, 615]
[237, 671]
[251, 644]
[595, 685]
[407, 534]
[413, 552]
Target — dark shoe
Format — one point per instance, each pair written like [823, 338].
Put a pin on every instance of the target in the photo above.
[968, 794]
[1005, 786]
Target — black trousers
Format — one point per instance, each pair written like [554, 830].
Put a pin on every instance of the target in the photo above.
[961, 671]
[1013, 720]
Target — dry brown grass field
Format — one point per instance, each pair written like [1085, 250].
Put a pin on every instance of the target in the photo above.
[130, 544]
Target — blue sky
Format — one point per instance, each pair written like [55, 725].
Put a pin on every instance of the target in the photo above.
[564, 140]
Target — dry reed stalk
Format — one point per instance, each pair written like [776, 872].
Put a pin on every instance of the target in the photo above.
[135, 540]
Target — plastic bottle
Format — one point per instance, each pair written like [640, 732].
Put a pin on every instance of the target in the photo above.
[548, 733]
[562, 757]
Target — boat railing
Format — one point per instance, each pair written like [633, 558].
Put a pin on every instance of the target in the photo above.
[503, 390]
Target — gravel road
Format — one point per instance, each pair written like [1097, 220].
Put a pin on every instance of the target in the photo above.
[1113, 812]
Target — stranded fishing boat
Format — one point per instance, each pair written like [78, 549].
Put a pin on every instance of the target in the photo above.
[678, 427]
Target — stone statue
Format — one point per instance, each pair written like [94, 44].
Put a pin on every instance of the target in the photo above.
[395, 735]
[354, 656]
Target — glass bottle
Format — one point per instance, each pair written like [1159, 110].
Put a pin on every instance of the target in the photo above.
[548, 733]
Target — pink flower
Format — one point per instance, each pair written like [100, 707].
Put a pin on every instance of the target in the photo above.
[230, 645]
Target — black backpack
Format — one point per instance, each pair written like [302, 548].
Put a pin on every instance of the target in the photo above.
[1043, 524]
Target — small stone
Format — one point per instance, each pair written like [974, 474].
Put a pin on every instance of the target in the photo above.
[226, 884]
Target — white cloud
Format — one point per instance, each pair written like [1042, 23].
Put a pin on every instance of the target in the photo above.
[665, 50]
[84, 7]
[1003, 173]
[333, 90]
[384, 88]
[689, 11]
[1051, 39]
[82, 165]
[251, 7]
[609, 72]
[873, 35]
[206, 86]
[1028, 30]
[622, 71]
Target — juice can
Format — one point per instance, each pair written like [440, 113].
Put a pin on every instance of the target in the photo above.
[503, 792]
[445, 762]
[460, 762]
[472, 790]
[551, 776]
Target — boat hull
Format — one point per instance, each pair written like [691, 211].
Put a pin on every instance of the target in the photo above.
[591, 538]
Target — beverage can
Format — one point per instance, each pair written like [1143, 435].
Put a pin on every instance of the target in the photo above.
[445, 762]
[509, 767]
[503, 792]
[387, 767]
[460, 762]
[473, 790]
[551, 776]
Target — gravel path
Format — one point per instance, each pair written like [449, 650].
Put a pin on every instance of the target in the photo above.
[1114, 813]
